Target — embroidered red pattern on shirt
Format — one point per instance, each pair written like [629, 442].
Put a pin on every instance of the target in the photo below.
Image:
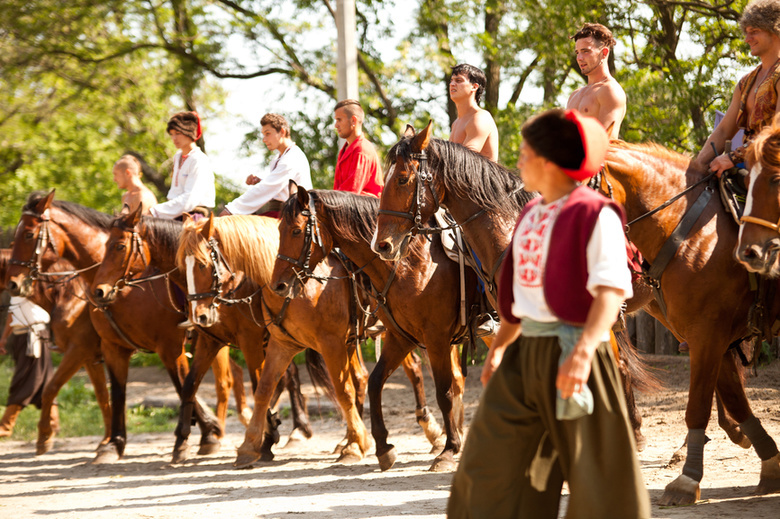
[534, 229]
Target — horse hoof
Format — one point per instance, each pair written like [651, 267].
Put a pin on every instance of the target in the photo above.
[641, 442]
[106, 454]
[769, 482]
[181, 453]
[209, 446]
[44, 445]
[296, 437]
[745, 443]
[245, 460]
[387, 460]
[266, 456]
[681, 492]
[340, 446]
[350, 454]
[443, 463]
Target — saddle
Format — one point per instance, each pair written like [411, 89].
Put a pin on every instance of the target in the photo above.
[733, 192]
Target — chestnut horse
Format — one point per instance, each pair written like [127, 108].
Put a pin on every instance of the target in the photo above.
[485, 199]
[211, 252]
[136, 320]
[758, 247]
[74, 337]
[706, 294]
[419, 301]
[156, 241]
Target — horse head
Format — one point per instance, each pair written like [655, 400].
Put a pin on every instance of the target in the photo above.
[758, 245]
[302, 244]
[408, 198]
[34, 237]
[126, 255]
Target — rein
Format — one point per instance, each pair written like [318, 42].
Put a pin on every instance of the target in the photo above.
[760, 222]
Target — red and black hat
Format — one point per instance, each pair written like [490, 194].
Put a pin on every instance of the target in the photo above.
[186, 123]
[594, 142]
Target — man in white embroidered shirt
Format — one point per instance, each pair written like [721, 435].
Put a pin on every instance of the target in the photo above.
[267, 194]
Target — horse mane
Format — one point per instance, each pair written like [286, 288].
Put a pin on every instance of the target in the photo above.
[249, 243]
[162, 234]
[88, 215]
[468, 174]
[351, 216]
[5, 255]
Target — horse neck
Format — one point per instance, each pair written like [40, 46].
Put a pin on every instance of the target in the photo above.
[488, 235]
[162, 256]
[86, 244]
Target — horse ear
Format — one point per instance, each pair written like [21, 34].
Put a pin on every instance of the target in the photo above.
[303, 196]
[45, 203]
[208, 230]
[409, 131]
[293, 188]
[135, 217]
[421, 140]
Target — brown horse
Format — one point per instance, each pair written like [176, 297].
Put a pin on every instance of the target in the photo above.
[211, 252]
[75, 337]
[705, 291]
[485, 199]
[156, 242]
[758, 247]
[135, 321]
[418, 302]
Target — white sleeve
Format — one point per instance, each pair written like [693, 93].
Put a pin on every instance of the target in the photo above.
[606, 252]
[198, 190]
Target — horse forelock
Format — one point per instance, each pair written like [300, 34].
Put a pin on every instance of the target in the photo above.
[192, 243]
[249, 243]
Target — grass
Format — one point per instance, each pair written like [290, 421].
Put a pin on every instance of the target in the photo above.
[79, 412]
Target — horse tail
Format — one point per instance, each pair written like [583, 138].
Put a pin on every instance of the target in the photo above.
[320, 378]
[639, 372]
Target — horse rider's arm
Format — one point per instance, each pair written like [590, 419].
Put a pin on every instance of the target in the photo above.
[506, 335]
[725, 131]
[574, 372]
[478, 132]
[612, 108]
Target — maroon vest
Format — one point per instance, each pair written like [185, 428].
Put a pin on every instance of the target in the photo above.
[566, 269]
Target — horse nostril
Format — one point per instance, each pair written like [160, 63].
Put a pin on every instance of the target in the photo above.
[99, 293]
[752, 252]
[12, 286]
[384, 246]
[202, 319]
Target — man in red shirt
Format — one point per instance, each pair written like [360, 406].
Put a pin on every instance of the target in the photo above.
[358, 169]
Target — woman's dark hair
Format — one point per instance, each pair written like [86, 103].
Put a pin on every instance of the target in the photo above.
[555, 138]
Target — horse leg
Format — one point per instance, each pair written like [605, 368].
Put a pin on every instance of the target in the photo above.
[449, 395]
[301, 427]
[732, 389]
[97, 374]
[242, 409]
[223, 383]
[68, 367]
[118, 363]
[337, 359]
[394, 352]
[685, 489]
[186, 381]
[278, 356]
[425, 418]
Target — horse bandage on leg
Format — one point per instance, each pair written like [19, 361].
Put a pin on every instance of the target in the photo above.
[694, 462]
[765, 446]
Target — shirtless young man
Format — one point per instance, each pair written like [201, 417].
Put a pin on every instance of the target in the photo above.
[756, 99]
[127, 176]
[474, 128]
[602, 98]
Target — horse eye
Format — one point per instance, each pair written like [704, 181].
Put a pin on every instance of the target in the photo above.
[296, 232]
[775, 180]
[120, 246]
[29, 236]
[402, 181]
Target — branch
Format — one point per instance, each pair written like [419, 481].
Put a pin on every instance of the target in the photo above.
[523, 77]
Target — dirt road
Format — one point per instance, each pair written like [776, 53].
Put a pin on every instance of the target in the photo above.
[304, 481]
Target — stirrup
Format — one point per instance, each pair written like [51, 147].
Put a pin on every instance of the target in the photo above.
[488, 325]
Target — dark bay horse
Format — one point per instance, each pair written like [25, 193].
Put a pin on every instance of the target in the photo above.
[136, 320]
[706, 293]
[419, 300]
[758, 247]
[425, 173]
[211, 252]
[155, 241]
[74, 337]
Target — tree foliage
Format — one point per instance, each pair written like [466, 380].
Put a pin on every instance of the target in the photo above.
[83, 81]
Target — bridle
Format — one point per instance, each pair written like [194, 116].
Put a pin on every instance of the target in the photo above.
[311, 234]
[43, 241]
[217, 261]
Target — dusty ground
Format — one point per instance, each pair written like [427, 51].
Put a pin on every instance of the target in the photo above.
[305, 481]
